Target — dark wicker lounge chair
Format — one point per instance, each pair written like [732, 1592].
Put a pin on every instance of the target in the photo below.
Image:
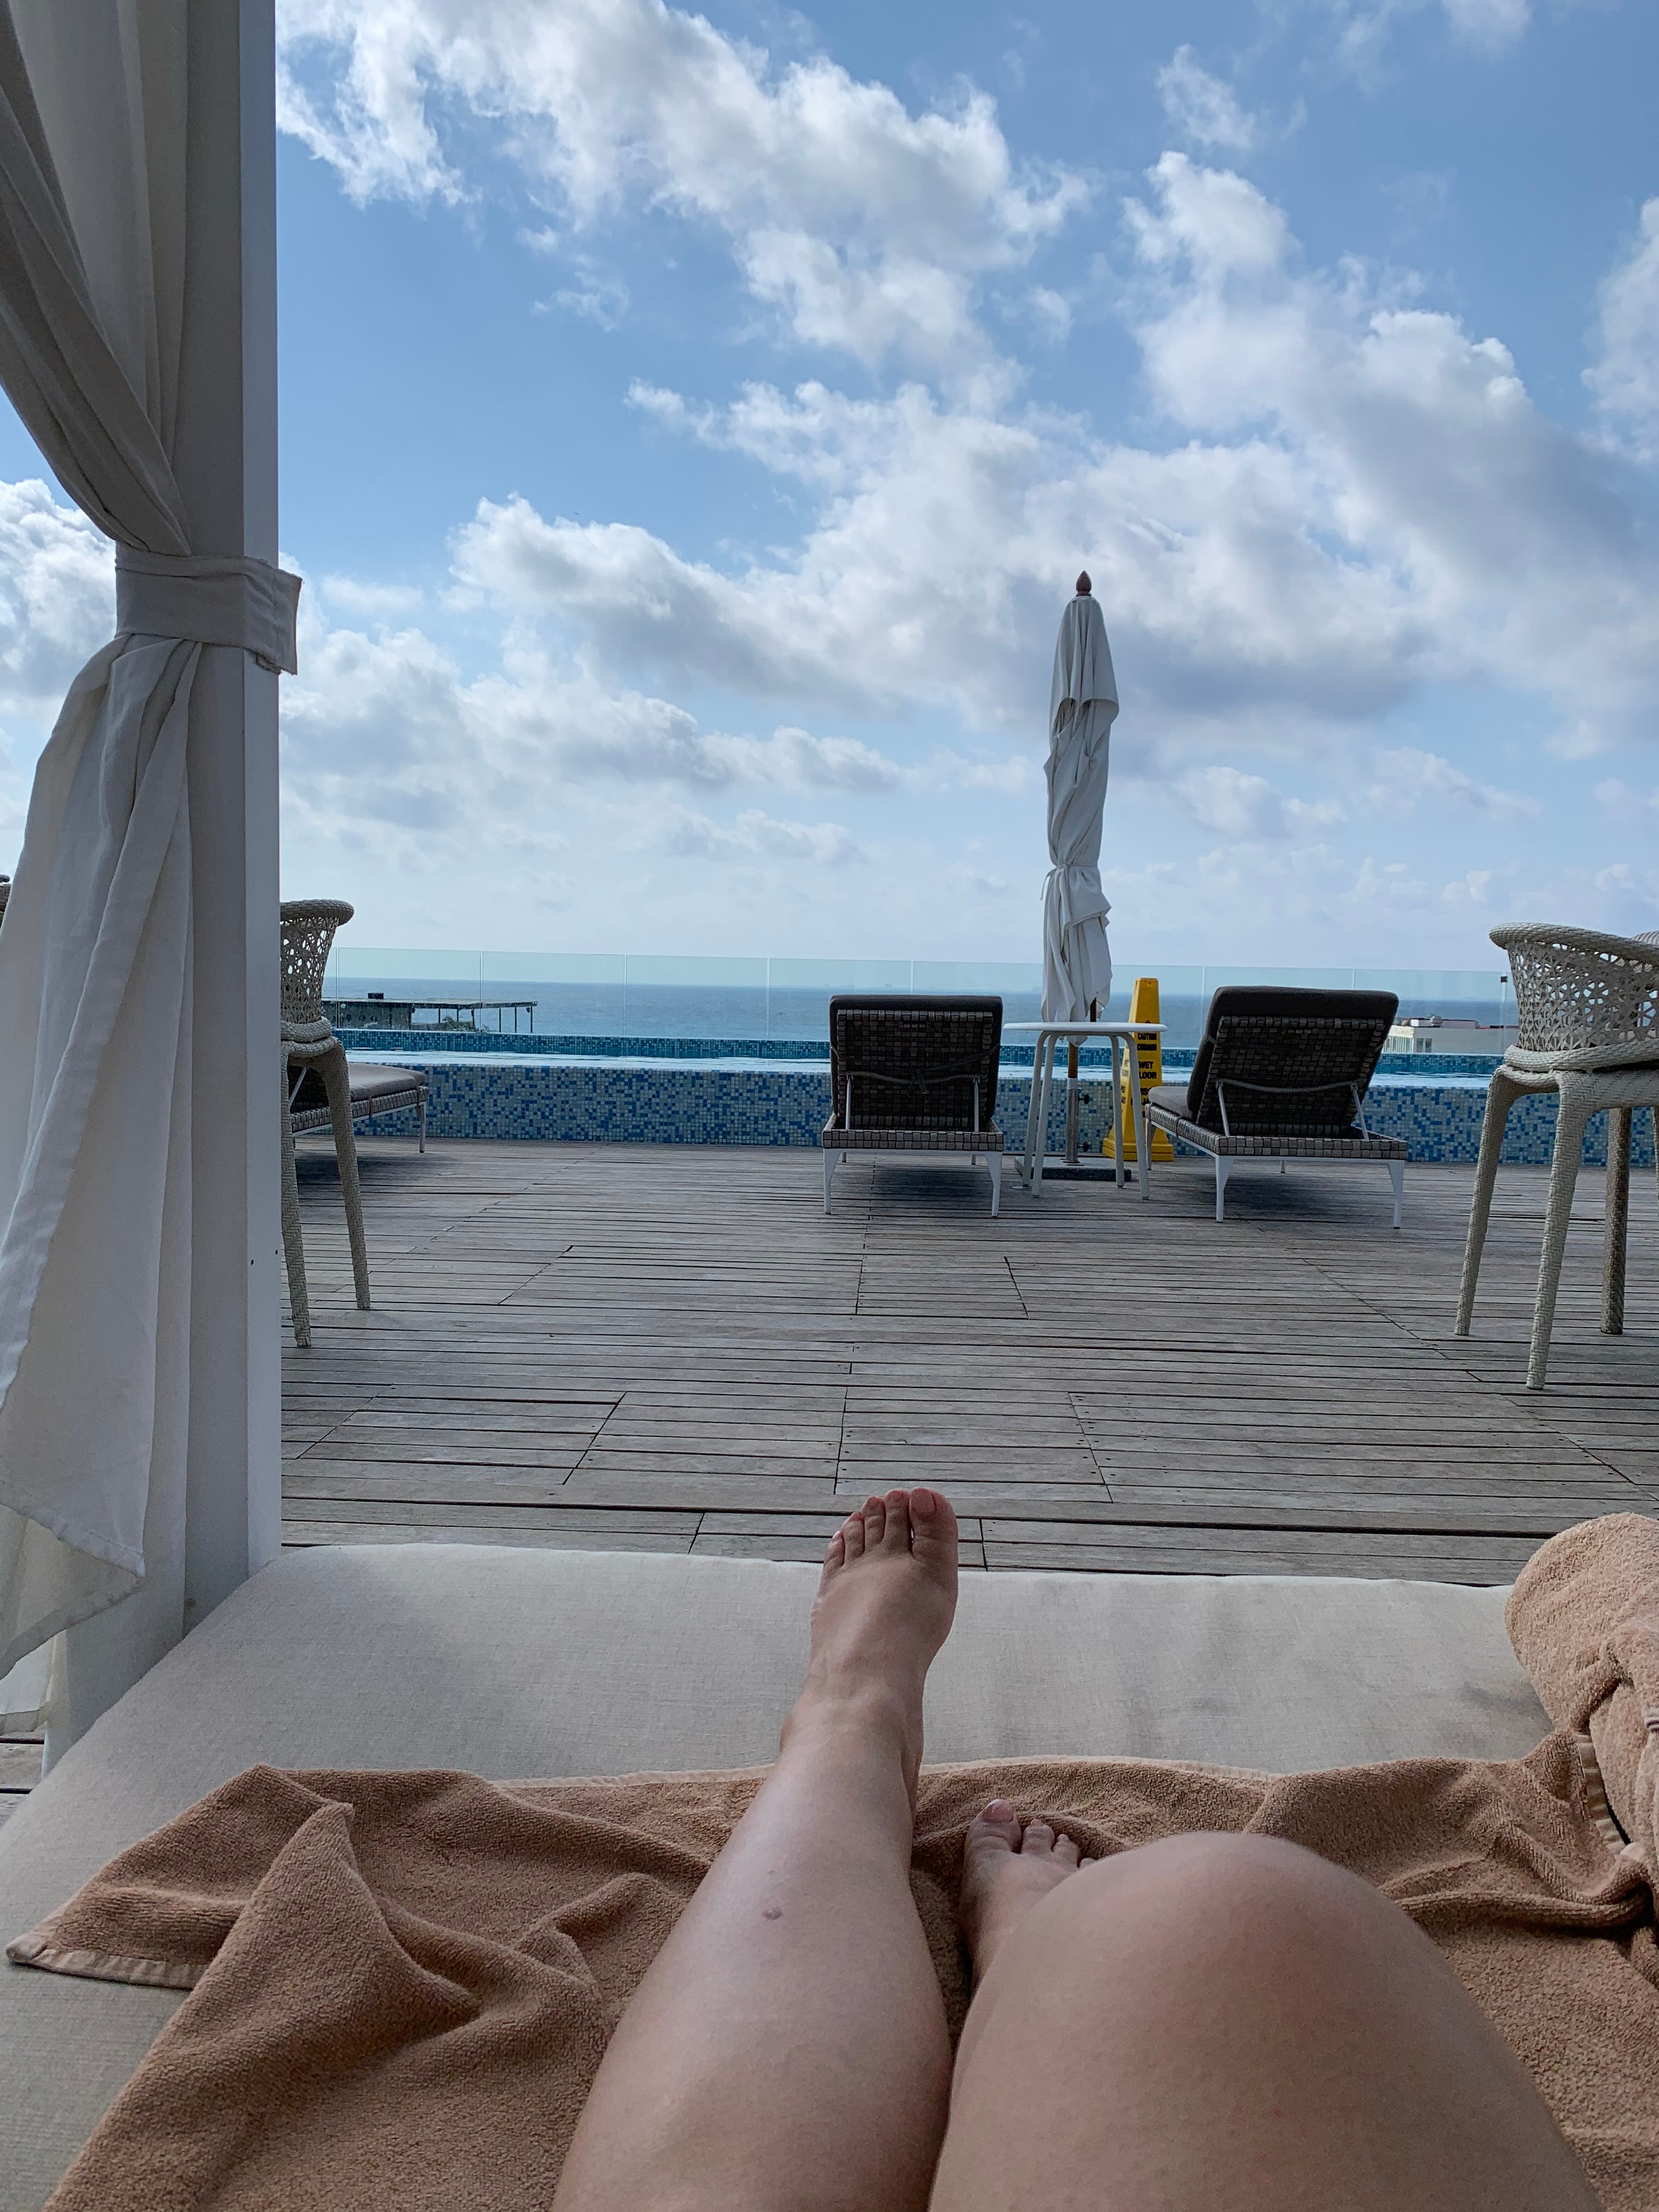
[1281, 1075]
[914, 1074]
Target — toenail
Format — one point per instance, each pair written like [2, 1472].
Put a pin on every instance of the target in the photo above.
[998, 1810]
[921, 1503]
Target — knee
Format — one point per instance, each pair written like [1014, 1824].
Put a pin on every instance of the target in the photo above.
[1254, 1907]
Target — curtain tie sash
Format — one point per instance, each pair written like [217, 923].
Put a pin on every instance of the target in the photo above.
[211, 599]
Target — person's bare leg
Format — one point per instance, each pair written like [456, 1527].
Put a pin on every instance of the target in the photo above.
[1224, 2024]
[787, 2051]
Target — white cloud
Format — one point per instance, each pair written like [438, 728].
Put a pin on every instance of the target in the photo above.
[383, 728]
[1406, 777]
[1247, 809]
[1472, 887]
[1205, 110]
[1364, 29]
[1492, 24]
[1625, 377]
[1618, 798]
[796, 756]
[1048, 314]
[57, 608]
[864, 227]
[599, 296]
[57, 598]
[367, 602]
[1013, 774]
[679, 834]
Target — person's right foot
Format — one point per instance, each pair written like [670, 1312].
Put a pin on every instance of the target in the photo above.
[1008, 1867]
[884, 1605]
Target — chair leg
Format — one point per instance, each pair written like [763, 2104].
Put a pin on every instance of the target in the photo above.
[294, 1249]
[1500, 1096]
[420, 1119]
[829, 1176]
[1222, 1169]
[331, 1066]
[1564, 1175]
[993, 1161]
[1397, 1177]
[1616, 1230]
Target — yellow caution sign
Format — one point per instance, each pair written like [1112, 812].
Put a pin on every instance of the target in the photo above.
[1143, 1008]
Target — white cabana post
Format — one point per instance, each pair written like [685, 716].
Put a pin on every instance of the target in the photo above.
[139, 1466]
[1077, 960]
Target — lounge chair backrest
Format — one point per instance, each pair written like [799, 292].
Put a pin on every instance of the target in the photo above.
[308, 927]
[914, 1062]
[1283, 1060]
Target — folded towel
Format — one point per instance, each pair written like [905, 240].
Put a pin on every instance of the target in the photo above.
[1584, 1618]
[401, 1984]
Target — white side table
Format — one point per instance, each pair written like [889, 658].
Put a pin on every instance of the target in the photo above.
[1120, 1035]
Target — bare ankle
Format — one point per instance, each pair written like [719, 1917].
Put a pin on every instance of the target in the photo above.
[860, 1724]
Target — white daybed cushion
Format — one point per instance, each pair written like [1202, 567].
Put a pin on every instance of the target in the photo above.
[518, 1663]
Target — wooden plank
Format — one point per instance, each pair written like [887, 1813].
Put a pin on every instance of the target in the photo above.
[301, 1534]
[479, 1514]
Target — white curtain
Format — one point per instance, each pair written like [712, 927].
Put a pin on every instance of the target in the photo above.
[1076, 959]
[95, 949]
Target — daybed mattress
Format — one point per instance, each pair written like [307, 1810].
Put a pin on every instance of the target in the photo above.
[516, 1663]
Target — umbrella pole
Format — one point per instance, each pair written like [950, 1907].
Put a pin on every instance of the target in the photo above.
[1070, 1102]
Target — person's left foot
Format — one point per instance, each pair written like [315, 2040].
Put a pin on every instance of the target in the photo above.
[1008, 1867]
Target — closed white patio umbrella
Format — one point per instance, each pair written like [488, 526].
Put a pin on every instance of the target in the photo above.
[1077, 960]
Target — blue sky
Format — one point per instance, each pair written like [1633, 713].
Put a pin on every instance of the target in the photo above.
[692, 425]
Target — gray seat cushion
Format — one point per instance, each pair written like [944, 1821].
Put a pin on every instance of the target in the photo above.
[837, 1139]
[520, 1662]
[370, 1080]
[1276, 1145]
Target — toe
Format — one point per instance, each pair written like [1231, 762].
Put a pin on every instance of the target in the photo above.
[834, 1556]
[1066, 1850]
[852, 1536]
[1039, 1839]
[895, 1533]
[934, 1530]
[875, 1521]
[995, 1831]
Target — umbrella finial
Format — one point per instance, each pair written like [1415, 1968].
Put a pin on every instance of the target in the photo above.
[1083, 586]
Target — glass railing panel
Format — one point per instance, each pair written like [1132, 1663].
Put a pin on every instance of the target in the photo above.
[800, 991]
[669, 995]
[573, 994]
[351, 966]
[1460, 995]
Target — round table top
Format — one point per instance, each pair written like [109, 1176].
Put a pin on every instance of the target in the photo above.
[1089, 1029]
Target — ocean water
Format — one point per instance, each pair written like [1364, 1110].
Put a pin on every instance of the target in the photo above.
[645, 1007]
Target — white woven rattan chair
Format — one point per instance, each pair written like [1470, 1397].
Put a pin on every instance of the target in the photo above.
[310, 1046]
[1587, 1006]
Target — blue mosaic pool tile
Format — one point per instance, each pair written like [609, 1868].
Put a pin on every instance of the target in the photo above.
[685, 1104]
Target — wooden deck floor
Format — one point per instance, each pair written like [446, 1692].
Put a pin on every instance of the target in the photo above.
[674, 1350]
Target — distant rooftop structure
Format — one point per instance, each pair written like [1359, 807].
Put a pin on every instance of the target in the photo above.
[1451, 1033]
[375, 1011]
